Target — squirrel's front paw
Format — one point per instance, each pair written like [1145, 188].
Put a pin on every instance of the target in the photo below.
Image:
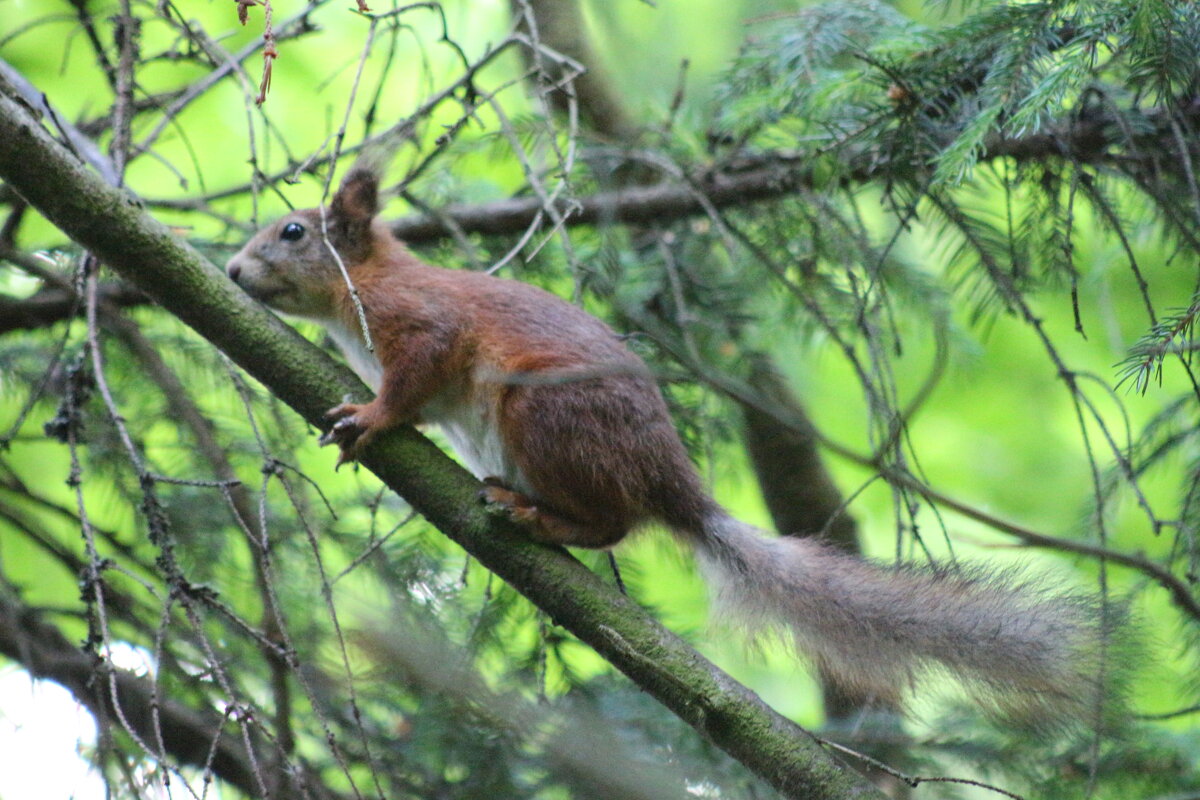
[350, 432]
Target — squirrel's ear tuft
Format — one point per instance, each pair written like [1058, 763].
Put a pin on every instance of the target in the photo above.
[358, 198]
[351, 212]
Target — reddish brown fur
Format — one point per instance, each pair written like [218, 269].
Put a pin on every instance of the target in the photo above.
[581, 415]
[574, 441]
[579, 419]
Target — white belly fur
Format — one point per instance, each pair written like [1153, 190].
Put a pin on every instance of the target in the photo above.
[361, 360]
[469, 424]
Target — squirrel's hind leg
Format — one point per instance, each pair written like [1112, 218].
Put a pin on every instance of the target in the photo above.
[546, 525]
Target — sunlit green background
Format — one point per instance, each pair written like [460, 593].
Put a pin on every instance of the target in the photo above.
[999, 432]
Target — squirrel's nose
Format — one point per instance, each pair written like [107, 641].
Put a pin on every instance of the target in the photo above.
[234, 270]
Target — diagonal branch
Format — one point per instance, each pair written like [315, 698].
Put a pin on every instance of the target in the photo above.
[38, 101]
[106, 222]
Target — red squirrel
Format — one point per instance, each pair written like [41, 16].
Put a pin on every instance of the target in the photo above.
[573, 440]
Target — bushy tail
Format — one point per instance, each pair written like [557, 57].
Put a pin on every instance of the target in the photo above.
[1022, 650]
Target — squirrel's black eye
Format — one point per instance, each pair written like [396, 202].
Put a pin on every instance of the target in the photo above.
[291, 232]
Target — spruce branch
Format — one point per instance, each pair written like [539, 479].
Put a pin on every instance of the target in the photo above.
[1094, 137]
[1169, 335]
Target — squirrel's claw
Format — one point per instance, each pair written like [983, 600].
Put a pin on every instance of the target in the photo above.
[343, 409]
[498, 500]
[348, 432]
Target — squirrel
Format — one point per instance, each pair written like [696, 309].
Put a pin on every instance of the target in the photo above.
[572, 439]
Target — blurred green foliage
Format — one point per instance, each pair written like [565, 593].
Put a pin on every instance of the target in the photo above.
[910, 263]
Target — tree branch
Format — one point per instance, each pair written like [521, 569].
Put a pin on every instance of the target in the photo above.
[51, 306]
[1087, 139]
[799, 493]
[109, 224]
[187, 734]
[649, 204]
[561, 25]
[38, 101]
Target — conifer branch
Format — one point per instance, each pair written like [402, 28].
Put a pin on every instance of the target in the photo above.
[1094, 137]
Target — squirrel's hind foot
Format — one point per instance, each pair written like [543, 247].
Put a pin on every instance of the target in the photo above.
[504, 502]
[545, 525]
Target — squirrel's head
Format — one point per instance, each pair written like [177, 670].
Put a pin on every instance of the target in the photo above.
[290, 264]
